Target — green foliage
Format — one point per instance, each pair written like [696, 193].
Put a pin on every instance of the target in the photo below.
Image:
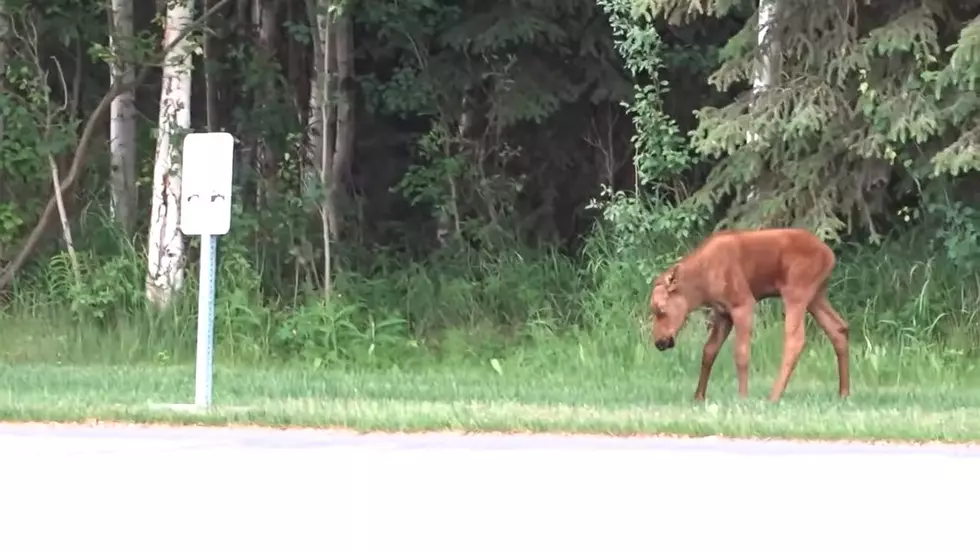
[661, 154]
[640, 224]
[956, 83]
[324, 334]
[958, 232]
[38, 115]
[424, 182]
[853, 115]
[502, 51]
[19, 156]
[481, 74]
[10, 223]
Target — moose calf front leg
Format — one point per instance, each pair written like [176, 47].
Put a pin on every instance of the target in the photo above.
[742, 320]
[721, 326]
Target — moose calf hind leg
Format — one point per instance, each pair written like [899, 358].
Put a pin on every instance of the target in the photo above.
[793, 342]
[836, 329]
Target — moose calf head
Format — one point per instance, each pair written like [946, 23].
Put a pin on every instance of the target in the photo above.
[669, 307]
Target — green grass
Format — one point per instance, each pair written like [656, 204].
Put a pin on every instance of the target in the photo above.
[515, 341]
[613, 385]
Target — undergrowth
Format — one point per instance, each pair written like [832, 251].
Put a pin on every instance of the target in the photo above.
[478, 308]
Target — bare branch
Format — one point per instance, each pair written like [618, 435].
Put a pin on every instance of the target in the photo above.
[63, 217]
[64, 84]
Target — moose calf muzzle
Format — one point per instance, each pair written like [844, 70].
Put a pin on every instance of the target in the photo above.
[664, 344]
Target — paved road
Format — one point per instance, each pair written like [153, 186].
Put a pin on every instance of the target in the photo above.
[140, 489]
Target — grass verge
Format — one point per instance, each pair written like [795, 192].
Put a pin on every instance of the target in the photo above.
[562, 386]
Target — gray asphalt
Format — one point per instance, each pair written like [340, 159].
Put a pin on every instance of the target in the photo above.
[143, 488]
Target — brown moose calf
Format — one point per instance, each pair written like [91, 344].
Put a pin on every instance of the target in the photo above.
[732, 270]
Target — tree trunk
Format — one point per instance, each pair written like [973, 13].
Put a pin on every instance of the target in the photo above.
[122, 115]
[210, 91]
[165, 275]
[4, 36]
[321, 137]
[344, 134]
[766, 65]
[765, 72]
[264, 19]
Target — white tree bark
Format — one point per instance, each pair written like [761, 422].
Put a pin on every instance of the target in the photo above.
[321, 130]
[122, 116]
[165, 274]
[765, 68]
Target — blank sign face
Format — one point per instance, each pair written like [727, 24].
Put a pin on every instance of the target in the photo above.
[207, 166]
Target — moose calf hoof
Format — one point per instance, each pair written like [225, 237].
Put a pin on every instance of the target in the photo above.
[698, 397]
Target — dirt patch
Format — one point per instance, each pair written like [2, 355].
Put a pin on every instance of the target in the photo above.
[339, 430]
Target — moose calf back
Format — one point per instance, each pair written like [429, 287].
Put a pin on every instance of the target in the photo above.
[769, 259]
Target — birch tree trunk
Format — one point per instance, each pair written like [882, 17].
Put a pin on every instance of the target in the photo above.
[765, 71]
[165, 274]
[321, 131]
[122, 117]
[766, 67]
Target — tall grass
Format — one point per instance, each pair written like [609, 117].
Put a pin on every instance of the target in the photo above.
[912, 316]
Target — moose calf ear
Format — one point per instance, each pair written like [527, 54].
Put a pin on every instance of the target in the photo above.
[671, 278]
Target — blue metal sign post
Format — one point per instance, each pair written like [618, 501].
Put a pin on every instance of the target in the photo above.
[206, 211]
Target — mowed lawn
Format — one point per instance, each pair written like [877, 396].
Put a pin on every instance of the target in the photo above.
[562, 396]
